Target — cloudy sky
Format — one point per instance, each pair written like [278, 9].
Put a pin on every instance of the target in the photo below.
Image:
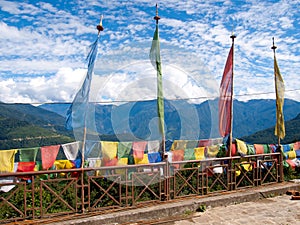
[43, 45]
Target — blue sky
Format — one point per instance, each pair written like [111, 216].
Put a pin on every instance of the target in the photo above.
[44, 45]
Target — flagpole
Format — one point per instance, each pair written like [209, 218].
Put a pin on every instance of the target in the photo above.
[278, 134]
[274, 49]
[231, 102]
[157, 18]
[99, 28]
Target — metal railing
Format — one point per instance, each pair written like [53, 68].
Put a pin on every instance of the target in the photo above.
[48, 194]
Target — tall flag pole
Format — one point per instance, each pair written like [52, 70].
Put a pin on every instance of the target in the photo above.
[77, 112]
[226, 98]
[279, 89]
[156, 62]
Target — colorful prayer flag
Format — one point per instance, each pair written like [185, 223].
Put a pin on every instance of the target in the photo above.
[225, 101]
[279, 88]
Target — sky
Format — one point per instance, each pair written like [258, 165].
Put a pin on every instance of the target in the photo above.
[44, 44]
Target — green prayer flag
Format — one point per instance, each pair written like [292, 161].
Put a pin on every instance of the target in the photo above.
[124, 149]
[156, 62]
[189, 154]
[266, 149]
[251, 150]
[28, 154]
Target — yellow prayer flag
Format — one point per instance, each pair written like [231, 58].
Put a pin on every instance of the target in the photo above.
[144, 160]
[7, 159]
[242, 147]
[199, 153]
[63, 164]
[291, 154]
[179, 145]
[122, 162]
[109, 149]
[279, 88]
[212, 150]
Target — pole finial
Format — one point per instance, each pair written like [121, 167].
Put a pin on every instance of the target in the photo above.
[156, 17]
[273, 47]
[99, 26]
[232, 36]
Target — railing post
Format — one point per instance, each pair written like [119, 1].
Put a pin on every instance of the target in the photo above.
[229, 175]
[167, 179]
[281, 175]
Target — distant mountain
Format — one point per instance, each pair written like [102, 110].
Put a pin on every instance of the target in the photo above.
[182, 119]
[23, 125]
[60, 109]
[256, 115]
[292, 130]
[33, 115]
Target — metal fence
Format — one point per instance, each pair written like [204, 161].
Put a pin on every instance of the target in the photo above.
[49, 194]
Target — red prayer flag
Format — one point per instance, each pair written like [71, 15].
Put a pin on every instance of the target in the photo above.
[49, 154]
[225, 101]
[139, 148]
[26, 167]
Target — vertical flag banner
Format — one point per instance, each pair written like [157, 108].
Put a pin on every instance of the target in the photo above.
[279, 88]
[76, 114]
[156, 62]
[225, 101]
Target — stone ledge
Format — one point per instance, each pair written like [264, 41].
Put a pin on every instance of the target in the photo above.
[180, 207]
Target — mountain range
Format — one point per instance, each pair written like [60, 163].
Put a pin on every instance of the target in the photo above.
[183, 120]
[24, 125]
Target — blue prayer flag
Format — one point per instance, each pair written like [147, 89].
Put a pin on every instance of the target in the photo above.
[76, 114]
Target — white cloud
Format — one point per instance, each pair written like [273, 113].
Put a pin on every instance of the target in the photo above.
[18, 8]
[60, 87]
[39, 40]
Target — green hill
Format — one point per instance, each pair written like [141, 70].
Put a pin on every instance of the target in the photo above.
[23, 125]
[292, 131]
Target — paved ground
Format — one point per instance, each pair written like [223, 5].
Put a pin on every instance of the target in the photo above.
[276, 210]
[253, 206]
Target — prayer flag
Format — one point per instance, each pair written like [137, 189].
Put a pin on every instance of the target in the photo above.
[154, 157]
[109, 149]
[241, 147]
[153, 146]
[143, 160]
[7, 159]
[179, 145]
[26, 166]
[49, 154]
[225, 101]
[189, 154]
[28, 154]
[124, 149]
[71, 150]
[199, 153]
[156, 62]
[139, 148]
[76, 114]
[279, 88]
[63, 164]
